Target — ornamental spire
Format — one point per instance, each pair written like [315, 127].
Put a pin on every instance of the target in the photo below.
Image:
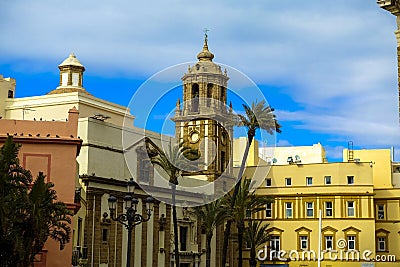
[205, 54]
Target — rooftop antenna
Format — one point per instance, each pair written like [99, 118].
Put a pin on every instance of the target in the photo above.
[350, 151]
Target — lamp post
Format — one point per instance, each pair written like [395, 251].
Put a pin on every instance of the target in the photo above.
[130, 218]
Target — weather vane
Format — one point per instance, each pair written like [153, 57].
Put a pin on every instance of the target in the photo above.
[205, 34]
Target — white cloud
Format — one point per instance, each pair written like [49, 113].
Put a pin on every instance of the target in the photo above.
[283, 143]
[358, 127]
[334, 152]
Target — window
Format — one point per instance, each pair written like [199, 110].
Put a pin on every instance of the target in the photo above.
[268, 182]
[329, 209]
[381, 246]
[328, 242]
[310, 209]
[195, 97]
[380, 211]
[183, 234]
[222, 161]
[209, 93]
[351, 242]
[328, 179]
[350, 179]
[10, 93]
[144, 170]
[64, 79]
[289, 209]
[275, 245]
[304, 242]
[268, 210]
[309, 180]
[222, 99]
[104, 235]
[78, 242]
[350, 209]
[288, 181]
[75, 79]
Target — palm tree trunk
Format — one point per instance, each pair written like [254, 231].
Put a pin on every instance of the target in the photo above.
[175, 222]
[253, 261]
[227, 232]
[240, 242]
[208, 250]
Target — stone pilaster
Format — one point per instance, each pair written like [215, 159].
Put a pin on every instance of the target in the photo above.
[144, 237]
[156, 229]
[167, 237]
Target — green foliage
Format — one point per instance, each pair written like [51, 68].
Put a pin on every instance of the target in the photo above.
[209, 217]
[247, 202]
[259, 116]
[241, 206]
[29, 213]
[173, 163]
[255, 235]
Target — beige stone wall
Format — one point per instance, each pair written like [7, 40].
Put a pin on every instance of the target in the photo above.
[6, 85]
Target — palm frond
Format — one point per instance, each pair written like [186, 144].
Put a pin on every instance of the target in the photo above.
[174, 161]
[256, 234]
[258, 116]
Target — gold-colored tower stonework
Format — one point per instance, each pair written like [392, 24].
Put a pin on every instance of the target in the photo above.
[203, 120]
[393, 6]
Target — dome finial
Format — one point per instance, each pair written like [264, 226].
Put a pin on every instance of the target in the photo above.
[205, 54]
[205, 36]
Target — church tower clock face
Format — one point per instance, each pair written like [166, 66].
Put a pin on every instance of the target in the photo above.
[194, 137]
[203, 121]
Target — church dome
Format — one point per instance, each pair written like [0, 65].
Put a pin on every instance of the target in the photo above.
[71, 61]
[205, 63]
[205, 54]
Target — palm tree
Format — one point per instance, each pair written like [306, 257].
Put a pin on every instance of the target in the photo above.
[14, 185]
[246, 204]
[173, 162]
[47, 211]
[258, 116]
[255, 236]
[210, 216]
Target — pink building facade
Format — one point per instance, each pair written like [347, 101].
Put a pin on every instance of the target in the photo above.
[50, 147]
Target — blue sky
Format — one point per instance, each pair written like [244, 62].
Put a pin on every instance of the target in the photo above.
[327, 67]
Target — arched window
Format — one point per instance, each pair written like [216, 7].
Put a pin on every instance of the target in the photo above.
[209, 93]
[223, 94]
[195, 97]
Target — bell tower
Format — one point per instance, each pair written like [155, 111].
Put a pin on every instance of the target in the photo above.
[393, 6]
[204, 121]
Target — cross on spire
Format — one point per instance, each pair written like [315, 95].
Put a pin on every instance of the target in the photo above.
[205, 34]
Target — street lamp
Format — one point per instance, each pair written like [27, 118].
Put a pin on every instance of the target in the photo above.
[130, 218]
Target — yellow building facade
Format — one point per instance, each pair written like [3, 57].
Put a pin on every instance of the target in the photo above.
[359, 202]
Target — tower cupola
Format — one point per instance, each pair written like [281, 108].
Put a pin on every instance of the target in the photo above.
[71, 76]
[205, 54]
